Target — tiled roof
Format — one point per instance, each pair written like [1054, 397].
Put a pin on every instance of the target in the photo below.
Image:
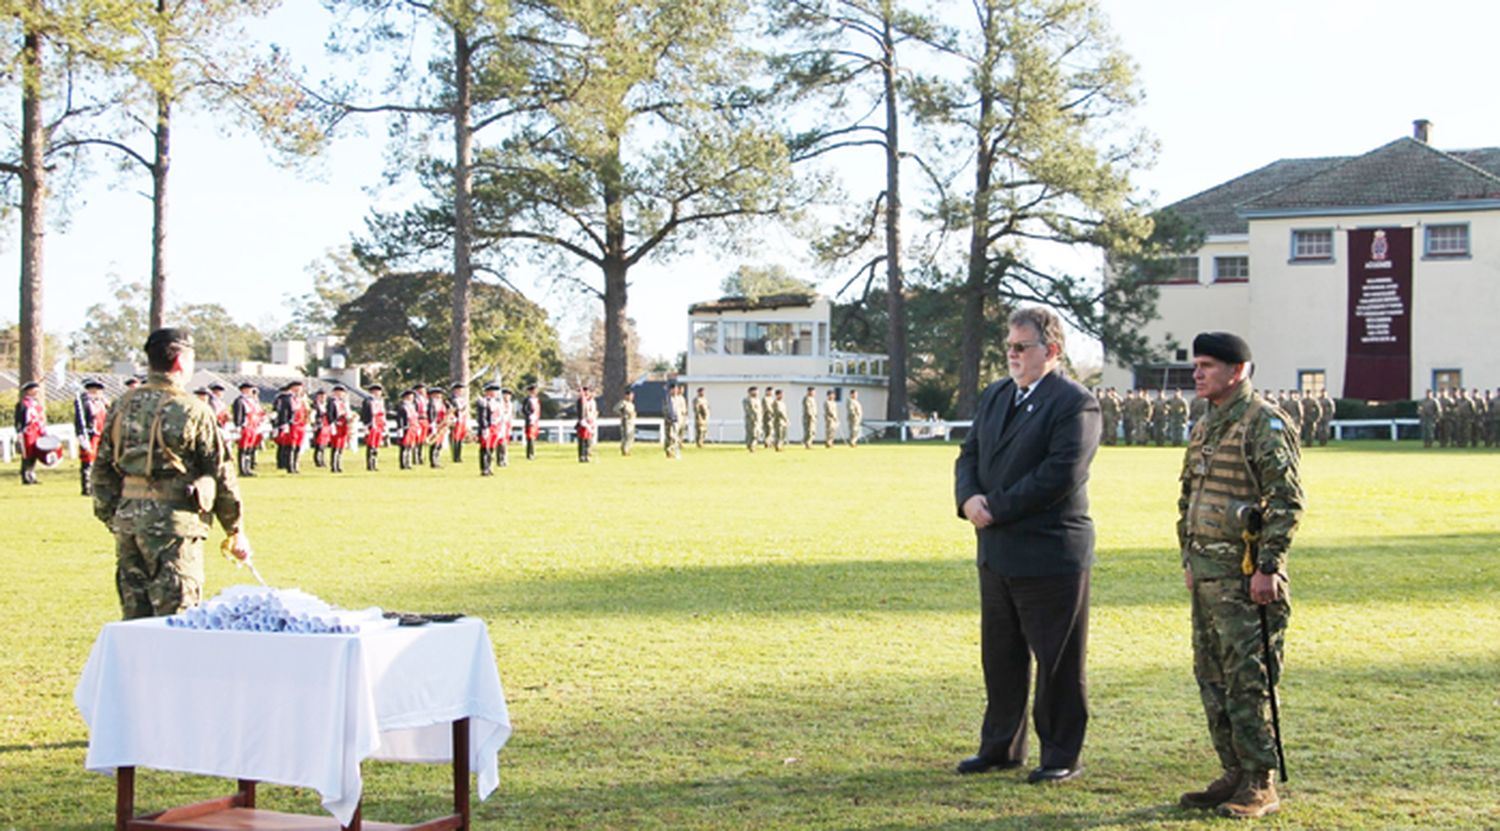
[1404, 172]
[1216, 210]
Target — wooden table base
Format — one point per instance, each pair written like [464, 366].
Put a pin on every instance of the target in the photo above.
[237, 812]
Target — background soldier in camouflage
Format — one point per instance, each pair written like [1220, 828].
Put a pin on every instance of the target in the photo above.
[1177, 416]
[1326, 410]
[164, 472]
[1159, 426]
[1197, 410]
[1430, 410]
[830, 419]
[700, 417]
[1145, 414]
[680, 407]
[752, 407]
[856, 414]
[779, 419]
[809, 418]
[1243, 454]
[626, 411]
[1130, 413]
[765, 417]
[1447, 418]
[1109, 409]
[1492, 437]
[669, 423]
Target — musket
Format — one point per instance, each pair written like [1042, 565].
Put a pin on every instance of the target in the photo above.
[1252, 521]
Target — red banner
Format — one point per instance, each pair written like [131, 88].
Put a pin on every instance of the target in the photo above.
[1377, 360]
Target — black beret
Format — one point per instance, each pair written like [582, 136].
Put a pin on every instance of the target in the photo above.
[1227, 347]
[170, 335]
[491, 386]
[93, 384]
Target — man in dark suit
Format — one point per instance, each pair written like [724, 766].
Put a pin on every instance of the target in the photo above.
[1021, 481]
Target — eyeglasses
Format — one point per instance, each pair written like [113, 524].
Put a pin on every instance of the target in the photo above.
[1018, 348]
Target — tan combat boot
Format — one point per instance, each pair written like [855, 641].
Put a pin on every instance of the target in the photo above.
[1255, 798]
[1215, 794]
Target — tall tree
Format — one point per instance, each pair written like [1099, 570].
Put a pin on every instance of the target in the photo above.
[652, 142]
[844, 54]
[470, 84]
[755, 282]
[113, 330]
[1044, 100]
[337, 278]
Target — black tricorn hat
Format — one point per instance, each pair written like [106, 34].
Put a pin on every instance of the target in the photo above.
[169, 335]
[216, 386]
[29, 385]
[201, 391]
[492, 386]
[246, 385]
[375, 387]
[93, 384]
[340, 388]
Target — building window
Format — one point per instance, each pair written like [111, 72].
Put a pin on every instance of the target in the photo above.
[706, 338]
[1186, 271]
[1447, 240]
[1312, 381]
[1312, 244]
[1231, 269]
[1447, 379]
[1158, 377]
[744, 338]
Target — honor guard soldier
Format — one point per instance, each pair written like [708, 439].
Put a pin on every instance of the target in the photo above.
[778, 420]
[458, 402]
[587, 425]
[409, 428]
[809, 418]
[320, 428]
[1430, 410]
[830, 418]
[201, 394]
[670, 424]
[765, 417]
[419, 397]
[531, 419]
[89, 412]
[492, 420]
[340, 419]
[164, 474]
[31, 425]
[221, 410]
[680, 408]
[439, 420]
[700, 418]
[856, 414]
[372, 413]
[1177, 417]
[626, 411]
[291, 422]
[1109, 412]
[752, 406]
[1239, 506]
[247, 415]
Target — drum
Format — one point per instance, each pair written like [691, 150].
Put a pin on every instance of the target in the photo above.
[49, 450]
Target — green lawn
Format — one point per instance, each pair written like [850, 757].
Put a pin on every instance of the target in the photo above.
[789, 641]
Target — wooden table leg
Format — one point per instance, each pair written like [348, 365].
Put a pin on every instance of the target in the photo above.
[247, 794]
[357, 822]
[124, 797]
[461, 772]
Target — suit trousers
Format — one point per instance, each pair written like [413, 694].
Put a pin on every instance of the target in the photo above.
[1045, 618]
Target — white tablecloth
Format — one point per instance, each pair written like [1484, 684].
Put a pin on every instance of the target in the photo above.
[298, 710]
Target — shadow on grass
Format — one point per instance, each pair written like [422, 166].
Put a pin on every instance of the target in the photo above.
[1122, 578]
[24, 748]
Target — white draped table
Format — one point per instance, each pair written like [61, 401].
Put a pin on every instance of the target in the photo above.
[292, 709]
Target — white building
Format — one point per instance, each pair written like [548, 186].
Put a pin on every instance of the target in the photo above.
[781, 341]
[1377, 276]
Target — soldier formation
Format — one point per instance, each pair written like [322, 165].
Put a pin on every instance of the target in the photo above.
[1143, 417]
[1454, 418]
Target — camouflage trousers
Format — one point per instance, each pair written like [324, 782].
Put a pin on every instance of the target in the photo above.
[809, 432]
[158, 569]
[752, 434]
[700, 431]
[1228, 660]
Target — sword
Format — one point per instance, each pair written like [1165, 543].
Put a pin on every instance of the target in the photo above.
[248, 562]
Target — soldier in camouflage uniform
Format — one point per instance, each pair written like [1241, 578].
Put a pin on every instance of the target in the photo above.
[856, 414]
[809, 419]
[1109, 412]
[753, 417]
[164, 473]
[830, 419]
[777, 406]
[1177, 416]
[626, 411]
[1430, 410]
[1325, 418]
[1492, 435]
[700, 417]
[1130, 413]
[1159, 426]
[1244, 453]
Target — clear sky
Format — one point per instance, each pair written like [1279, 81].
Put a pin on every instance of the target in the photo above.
[1230, 84]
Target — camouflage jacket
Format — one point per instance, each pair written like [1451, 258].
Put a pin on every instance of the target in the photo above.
[159, 437]
[1272, 453]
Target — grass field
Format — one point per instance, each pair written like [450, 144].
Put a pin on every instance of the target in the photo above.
[790, 641]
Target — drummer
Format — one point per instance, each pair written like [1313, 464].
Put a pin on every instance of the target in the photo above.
[31, 426]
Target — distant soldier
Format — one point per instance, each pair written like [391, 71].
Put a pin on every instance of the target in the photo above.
[670, 424]
[531, 419]
[321, 430]
[680, 409]
[409, 428]
[765, 417]
[809, 419]
[778, 420]
[458, 402]
[751, 403]
[247, 414]
[372, 413]
[1492, 437]
[440, 418]
[1145, 418]
[1159, 426]
[292, 417]
[131, 383]
[587, 425]
[221, 410]
[1177, 416]
[1128, 415]
[856, 415]
[1326, 410]
[1109, 411]
[165, 474]
[830, 419]
[626, 412]
[89, 412]
[424, 424]
[1478, 415]
[340, 419]
[1197, 410]
[492, 421]
[278, 434]
[700, 417]
[1430, 411]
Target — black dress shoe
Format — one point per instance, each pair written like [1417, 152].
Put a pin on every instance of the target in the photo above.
[980, 764]
[1041, 775]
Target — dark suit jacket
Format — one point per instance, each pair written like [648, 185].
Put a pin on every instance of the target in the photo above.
[1035, 475]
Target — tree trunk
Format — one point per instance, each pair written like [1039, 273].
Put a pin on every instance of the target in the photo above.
[33, 201]
[159, 170]
[616, 285]
[463, 215]
[895, 292]
[971, 339]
